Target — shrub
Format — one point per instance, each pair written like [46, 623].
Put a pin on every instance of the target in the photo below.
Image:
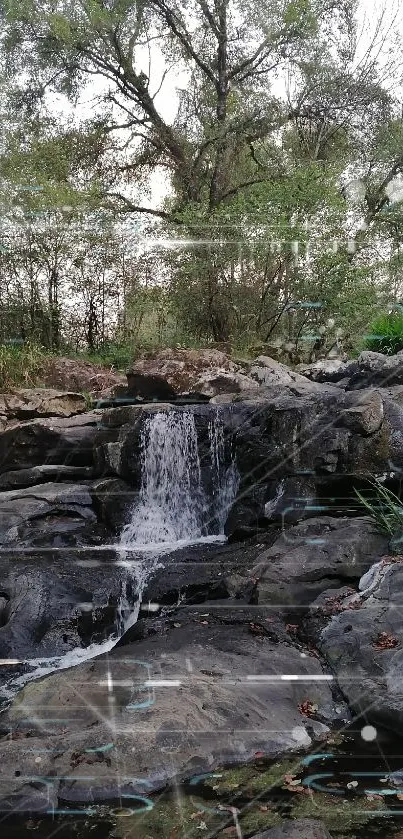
[21, 365]
[386, 334]
[386, 511]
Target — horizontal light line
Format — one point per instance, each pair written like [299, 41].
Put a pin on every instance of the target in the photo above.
[162, 683]
[4, 662]
[305, 677]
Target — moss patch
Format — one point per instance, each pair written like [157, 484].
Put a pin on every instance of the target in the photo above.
[340, 815]
[253, 779]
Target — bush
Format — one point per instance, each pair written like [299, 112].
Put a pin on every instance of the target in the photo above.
[118, 356]
[386, 334]
[386, 512]
[21, 365]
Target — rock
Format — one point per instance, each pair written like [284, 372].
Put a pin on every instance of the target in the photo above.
[271, 373]
[292, 446]
[52, 441]
[41, 402]
[83, 376]
[208, 669]
[129, 414]
[298, 829]
[375, 369]
[57, 601]
[366, 417]
[19, 478]
[219, 382]
[206, 572]
[113, 500]
[369, 370]
[49, 511]
[364, 646]
[149, 387]
[327, 370]
[181, 370]
[313, 556]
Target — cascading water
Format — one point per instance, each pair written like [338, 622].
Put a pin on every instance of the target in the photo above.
[225, 480]
[173, 507]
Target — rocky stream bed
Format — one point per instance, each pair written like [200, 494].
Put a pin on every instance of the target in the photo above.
[240, 673]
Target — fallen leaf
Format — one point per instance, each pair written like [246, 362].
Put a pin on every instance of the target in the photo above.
[384, 641]
[177, 625]
[259, 754]
[399, 796]
[307, 708]
[263, 808]
[202, 826]
[352, 784]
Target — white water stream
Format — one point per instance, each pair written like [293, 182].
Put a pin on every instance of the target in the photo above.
[173, 510]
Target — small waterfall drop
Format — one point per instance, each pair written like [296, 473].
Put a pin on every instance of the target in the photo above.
[173, 507]
[225, 480]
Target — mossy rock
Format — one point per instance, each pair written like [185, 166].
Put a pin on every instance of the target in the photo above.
[341, 816]
[253, 779]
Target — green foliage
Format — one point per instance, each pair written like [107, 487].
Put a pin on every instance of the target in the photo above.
[118, 356]
[21, 365]
[386, 334]
[385, 509]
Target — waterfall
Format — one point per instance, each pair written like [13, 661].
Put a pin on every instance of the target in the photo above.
[173, 506]
[225, 480]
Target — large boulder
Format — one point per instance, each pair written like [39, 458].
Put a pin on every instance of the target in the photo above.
[327, 370]
[375, 369]
[53, 441]
[266, 371]
[205, 693]
[363, 644]
[28, 403]
[313, 556]
[83, 376]
[370, 369]
[31, 476]
[57, 601]
[170, 372]
[54, 513]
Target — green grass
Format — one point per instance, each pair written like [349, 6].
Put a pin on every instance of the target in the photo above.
[386, 334]
[21, 366]
[385, 509]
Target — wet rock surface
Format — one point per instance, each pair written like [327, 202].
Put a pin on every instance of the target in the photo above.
[54, 601]
[363, 645]
[198, 693]
[264, 646]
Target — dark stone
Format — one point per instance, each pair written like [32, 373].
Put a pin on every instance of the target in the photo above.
[149, 387]
[368, 669]
[56, 600]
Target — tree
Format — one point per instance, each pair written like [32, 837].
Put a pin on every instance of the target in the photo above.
[240, 149]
